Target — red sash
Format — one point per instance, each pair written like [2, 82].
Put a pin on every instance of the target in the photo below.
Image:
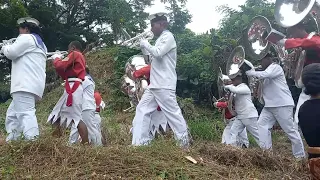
[70, 91]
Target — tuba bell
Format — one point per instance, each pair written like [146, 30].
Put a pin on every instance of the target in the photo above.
[288, 13]
[237, 64]
[135, 63]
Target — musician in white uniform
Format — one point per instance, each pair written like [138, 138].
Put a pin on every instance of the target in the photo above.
[162, 88]
[299, 38]
[278, 106]
[247, 114]
[88, 113]
[28, 77]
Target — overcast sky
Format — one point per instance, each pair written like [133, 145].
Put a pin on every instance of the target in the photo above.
[204, 15]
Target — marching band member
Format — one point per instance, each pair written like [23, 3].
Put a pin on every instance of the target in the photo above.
[157, 117]
[299, 38]
[88, 113]
[278, 106]
[229, 118]
[69, 107]
[309, 117]
[28, 76]
[162, 88]
[247, 114]
[97, 118]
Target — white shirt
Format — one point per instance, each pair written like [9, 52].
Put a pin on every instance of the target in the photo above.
[275, 89]
[243, 104]
[88, 86]
[28, 72]
[164, 58]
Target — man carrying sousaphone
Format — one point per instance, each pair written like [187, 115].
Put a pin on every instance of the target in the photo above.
[278, 105]
[299, 38]
[229, 116]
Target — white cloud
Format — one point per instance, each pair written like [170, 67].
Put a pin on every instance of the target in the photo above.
[204, 12]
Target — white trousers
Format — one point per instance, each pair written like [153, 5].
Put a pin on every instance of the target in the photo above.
[239, 126]
[94, 134]
[241, 139]
[166, 99]
[158, 119]
[302, 98]
[283, 115]
[21, 117]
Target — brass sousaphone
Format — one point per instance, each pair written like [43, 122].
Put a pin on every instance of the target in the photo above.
[135, 63]
[237, 64]
[224, 95]
[289, 13]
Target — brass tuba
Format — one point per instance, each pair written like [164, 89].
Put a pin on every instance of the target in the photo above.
[287, 14]
[135, 63]
[237, 64]
[224, 95]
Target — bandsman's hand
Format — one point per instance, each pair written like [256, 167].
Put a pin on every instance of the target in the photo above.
[143, 43]
[282, 42]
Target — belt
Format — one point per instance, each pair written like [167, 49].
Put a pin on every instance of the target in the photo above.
[75, 80]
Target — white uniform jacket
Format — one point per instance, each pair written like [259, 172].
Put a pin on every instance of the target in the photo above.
[28, 73]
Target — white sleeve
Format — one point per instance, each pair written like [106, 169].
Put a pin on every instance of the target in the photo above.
[165, 44]
[271, 72]
[241, 89]
[23, 44]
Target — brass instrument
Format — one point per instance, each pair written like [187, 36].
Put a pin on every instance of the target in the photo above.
[288, 13]
[237, 64]
[50, 54]
[6, 42]
[134, 42]
[224, 95]
[135, 63]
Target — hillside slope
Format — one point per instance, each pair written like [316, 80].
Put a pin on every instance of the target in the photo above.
[50, 158]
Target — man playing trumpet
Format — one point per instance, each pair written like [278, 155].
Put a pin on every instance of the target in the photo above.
[28, 76]
[162, 88]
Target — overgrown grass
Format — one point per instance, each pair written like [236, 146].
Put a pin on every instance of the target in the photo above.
[51, 158]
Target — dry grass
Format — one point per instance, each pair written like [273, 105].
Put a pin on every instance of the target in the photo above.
[50, 158]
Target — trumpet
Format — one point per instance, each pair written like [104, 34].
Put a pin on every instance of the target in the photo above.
[134, 42]
[50, 54]
[5, 43]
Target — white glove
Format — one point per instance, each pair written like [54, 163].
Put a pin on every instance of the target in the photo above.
[215, 104]
[144, 51]
[143, 43]
[2, 49]
[56, 56]
[64, 83]
[281, 42]
[250, 72]
[102, 105]
[227, 87]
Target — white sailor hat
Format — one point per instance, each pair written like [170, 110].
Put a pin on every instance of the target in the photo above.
[158, 16]
[28, 19]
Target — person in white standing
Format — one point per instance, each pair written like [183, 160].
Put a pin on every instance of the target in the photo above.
[88, 113]
[162, 88]
[247, 114]
[278, 106]
[28, 77]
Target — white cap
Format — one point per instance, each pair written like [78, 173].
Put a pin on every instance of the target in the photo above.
[152, 16]
[28, 19]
